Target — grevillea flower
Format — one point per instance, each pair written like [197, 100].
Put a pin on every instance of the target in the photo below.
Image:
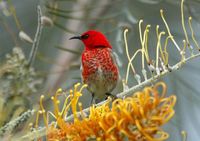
[138, 117]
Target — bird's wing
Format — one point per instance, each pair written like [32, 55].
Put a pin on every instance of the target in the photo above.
[116, 59]
[81, 69]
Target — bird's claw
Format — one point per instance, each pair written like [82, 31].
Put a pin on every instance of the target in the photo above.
[111, 95]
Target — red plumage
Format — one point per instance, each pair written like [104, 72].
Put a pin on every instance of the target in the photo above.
[99, 68]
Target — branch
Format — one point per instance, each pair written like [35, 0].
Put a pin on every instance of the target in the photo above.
[9, 127]
[36, 39]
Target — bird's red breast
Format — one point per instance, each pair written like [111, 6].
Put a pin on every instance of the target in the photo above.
[100, 58]
[99, 71]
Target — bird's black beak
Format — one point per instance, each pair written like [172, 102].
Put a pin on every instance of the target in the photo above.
[75, 37]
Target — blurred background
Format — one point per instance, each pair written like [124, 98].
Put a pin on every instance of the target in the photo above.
[57, 62]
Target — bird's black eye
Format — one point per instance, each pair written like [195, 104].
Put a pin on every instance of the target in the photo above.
[84, 36]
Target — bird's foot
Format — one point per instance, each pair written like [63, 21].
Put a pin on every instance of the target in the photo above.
[111, 95]
[92, 100]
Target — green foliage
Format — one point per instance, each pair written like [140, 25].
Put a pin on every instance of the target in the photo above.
[18, 81]
[18, 78]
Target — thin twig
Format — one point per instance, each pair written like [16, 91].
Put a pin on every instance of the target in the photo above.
[36, 39]
[9, 127]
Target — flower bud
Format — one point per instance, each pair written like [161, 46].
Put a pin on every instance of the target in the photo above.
[24, 37]
[46, 21]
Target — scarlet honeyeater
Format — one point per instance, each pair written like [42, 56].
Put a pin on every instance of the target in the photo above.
[99, 68]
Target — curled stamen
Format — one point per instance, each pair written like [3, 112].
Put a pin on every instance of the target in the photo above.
[163, 86]
[183, 23]
[162, 53]
[168, 30]
[56, 102]
[137, 117]
[146, 46]
[129, 64]
[143, 41]
[75, 99]
[193, 36]
[66, 106]
[144, 49]
[166, 60]
[50, 113]
[127, 52]
[58, 92]
[84, 86]
[140, 31]
[76, 87]
[158, 45]
[42, 111]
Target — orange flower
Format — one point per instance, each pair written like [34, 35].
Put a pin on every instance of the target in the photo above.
[138, 117]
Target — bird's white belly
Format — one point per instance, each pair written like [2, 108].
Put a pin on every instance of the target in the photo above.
[100, 84]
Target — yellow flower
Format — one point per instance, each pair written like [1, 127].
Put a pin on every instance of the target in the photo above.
[138, 117]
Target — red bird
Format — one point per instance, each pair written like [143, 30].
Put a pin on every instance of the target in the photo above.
[99, 68]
